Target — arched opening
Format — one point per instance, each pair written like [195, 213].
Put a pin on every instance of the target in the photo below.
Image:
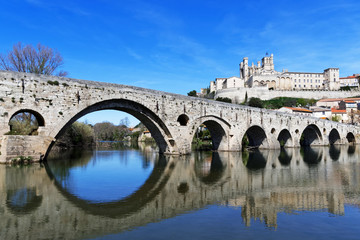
[25, 122]
[183, 120]
[285, 139]
[334, 137]
[151, 121]
[254, 137]
[351, 138]
[210, 135]
[311, 136]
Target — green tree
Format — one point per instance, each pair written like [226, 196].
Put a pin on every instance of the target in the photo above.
[192, 93]
[40, 59]
[223, 99]
[256, 102]
[23, 123]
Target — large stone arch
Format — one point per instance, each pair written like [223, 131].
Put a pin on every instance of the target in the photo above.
[156, 126]
[334, 137]
[218, 128]
[311, 136]
[256, 137]
[285, 139]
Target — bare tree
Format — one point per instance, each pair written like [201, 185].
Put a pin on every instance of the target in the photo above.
[40, 59]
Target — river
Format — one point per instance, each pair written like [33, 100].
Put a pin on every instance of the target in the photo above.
[126, 192]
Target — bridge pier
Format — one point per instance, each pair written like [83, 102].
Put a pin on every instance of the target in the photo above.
[30, 148]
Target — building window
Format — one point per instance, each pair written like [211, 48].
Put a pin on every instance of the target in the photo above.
[295, 85]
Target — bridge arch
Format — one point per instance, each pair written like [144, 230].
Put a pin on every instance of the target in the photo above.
[285, 138]
[29, 120]
[154, 124]
[218, 128]
[255, 137]
[311, 136]
[351, 138]
[334, 137]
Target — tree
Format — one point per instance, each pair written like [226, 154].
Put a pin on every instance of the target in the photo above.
[223, 99]
[40, 59]
[192, 93]
[255, 102]
[23, 123]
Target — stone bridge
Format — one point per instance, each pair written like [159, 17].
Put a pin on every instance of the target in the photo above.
[172, 119]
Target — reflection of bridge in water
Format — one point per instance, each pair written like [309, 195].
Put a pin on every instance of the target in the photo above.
[272, 182]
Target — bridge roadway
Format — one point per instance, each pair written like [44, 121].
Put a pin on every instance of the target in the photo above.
[180, 184]
[172, 119]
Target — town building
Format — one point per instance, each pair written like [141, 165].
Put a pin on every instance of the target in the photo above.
[296, 110]
[263, 74]
[350, 81]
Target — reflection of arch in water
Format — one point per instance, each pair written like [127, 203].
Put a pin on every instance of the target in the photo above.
[311, 136]
[310, 155]
[22, 201]
[334, 152]
[351, 149]
[284, 157]
[334, 137]
[210, 171]
[254, 160]
[131, 204]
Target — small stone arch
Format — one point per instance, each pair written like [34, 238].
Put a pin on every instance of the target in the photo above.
[255, 137]
[183, 119]
[285, 139]
[40, 119]
[351, 138]
[25, 122]
[311, 136]
[218, 130]
[334, 137]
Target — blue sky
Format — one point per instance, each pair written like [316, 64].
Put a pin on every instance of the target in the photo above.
[178, 46]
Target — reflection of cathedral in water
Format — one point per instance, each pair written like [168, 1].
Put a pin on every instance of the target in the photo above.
[261, 183]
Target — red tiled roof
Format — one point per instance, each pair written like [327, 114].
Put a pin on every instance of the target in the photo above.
[299, 109]
[338, 99]
[349, 77]
[333, 110]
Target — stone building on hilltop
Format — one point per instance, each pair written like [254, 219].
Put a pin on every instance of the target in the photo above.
[264, 75]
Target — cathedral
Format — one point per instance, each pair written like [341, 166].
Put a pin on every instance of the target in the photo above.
[264, 75]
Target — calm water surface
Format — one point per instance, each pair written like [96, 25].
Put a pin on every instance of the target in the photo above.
[128, 193]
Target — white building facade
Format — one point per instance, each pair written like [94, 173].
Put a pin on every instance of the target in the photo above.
[263, 74]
